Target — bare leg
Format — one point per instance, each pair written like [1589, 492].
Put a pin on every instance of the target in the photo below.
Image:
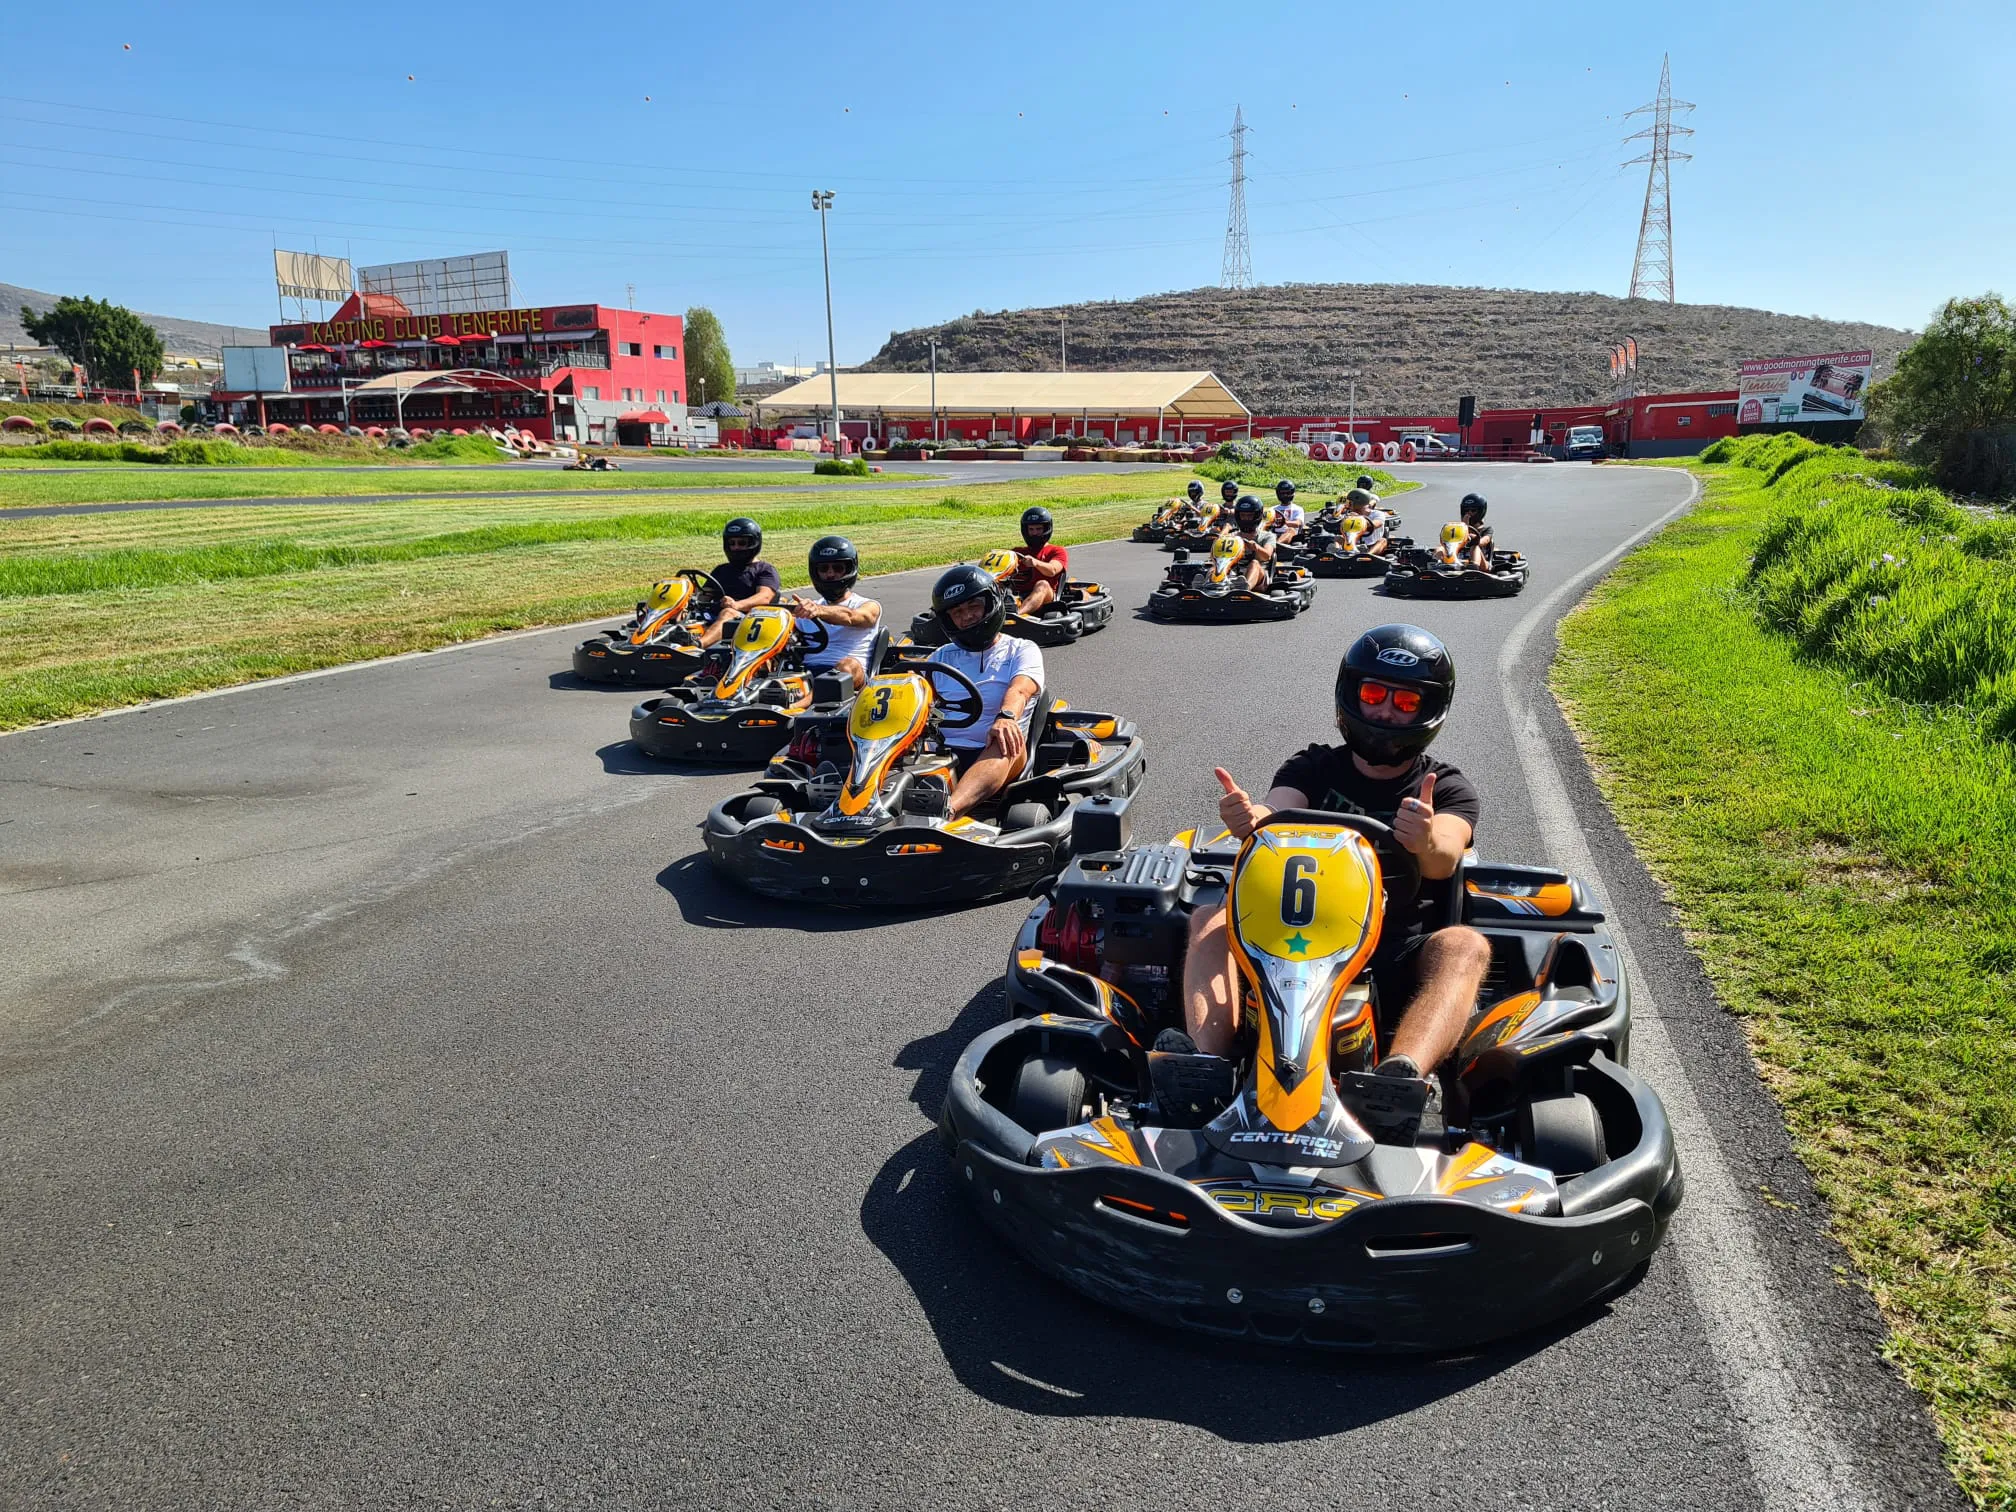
[1256, 574]
[850, 667]
[1451, 969]
[1043, 593]
[715, 628]
[1210, 1006]
[982, 781]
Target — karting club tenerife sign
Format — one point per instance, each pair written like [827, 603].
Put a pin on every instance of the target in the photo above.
[563, 320]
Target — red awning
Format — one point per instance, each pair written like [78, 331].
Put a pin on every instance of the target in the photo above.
[643, 417]
[309, 346]
[447, 341]
[374, 343]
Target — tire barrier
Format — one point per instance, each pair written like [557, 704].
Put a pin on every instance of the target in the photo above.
[1362, 452]
[1407, 451]
[1334, 451]
[1390, 451]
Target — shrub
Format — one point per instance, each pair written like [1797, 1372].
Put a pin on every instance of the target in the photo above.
[838, 467]
[441, 448]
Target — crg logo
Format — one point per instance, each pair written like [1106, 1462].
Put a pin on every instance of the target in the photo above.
[1399, 656]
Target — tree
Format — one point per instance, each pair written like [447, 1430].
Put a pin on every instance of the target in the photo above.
[707, 357]
[108, 341]
[1952, 400]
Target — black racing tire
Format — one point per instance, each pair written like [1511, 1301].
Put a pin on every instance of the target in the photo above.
[1024, 816]
[1049, 1094]
[1563, 1134]
[762, 806]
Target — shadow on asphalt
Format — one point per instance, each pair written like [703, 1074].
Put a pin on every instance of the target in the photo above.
[1025, 1342]
[623, 758]
[567, 682]
[711, 901]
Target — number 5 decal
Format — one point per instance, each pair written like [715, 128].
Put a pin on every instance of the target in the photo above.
[1298, 891]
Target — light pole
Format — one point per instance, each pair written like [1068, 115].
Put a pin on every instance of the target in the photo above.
[935, 435]
[822, 201]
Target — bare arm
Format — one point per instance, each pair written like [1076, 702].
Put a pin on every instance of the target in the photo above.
[859, 618]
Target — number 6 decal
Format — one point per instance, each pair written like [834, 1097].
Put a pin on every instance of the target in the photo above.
[1298, 891]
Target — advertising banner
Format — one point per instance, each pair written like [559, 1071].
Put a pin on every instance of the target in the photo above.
[1792, 390]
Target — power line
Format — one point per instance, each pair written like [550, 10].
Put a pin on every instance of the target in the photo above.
[1237, 272]
[1652, 266]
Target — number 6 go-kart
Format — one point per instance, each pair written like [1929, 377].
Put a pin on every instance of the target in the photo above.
[1439, 571]
[1079, 609]
[656, 645]
[738, 707]
[1287, 1194]
[1214, 590]
[854, 811]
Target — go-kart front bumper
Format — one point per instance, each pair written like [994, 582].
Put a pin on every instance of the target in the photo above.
[1395, 1274]
[1431, 582]
[1238, 606]
[1357, 565]
[667, 729]
[612, 659]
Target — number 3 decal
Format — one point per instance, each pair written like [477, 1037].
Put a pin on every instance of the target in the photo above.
[880, 711]
[1298, 891]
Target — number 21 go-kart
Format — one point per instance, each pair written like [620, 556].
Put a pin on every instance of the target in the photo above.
[1439, 571]
[1214, 590]
[854, 810]
[1287, 1194]
[654, 647]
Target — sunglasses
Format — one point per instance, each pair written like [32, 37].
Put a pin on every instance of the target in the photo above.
[1373, 694]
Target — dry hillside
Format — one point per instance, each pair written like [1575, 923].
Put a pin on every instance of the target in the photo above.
[190, 338]
[1416, 347]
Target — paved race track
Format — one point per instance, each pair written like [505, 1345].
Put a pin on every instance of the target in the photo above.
[397, 1112]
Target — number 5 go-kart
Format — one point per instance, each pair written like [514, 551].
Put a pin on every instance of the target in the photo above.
[655, 646]
[738, 707]
[1287, 1194]
[854, 811]
[1440, 572]
[1214, 590]
[1079, 609]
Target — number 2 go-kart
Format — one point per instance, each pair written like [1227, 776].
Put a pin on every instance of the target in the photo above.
[1439, 571]
[1339, 555]
[1079, 609]
[854, 811]
[1214, 590]
[1287, 1194]
[655, 647]
[738, 707]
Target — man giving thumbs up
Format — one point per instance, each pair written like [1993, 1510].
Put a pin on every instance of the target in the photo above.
[1393, 692]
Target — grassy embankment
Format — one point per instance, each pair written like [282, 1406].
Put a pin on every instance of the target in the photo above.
[102, 610]
[1800, 701]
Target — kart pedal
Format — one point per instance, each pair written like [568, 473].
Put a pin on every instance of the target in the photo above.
[1394, 1109]
[1190, 1089]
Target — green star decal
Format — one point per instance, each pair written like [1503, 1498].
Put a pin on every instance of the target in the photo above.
[1297, 945]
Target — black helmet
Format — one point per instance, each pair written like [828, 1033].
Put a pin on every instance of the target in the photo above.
[1473, 501]
[826, 551]
[1037, 526]
[1228, 490]
[1248, 512]
[1405, 656]
[956, 587]
[1365, 482]
[1284, 491]
[746, 530]
[1196, 490]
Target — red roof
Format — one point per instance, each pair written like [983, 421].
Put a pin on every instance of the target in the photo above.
[644, 417]
[358, 306]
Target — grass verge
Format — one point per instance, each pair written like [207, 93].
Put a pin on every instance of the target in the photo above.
[1844, 862]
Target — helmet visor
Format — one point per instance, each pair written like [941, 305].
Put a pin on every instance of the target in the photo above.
[1403, 700]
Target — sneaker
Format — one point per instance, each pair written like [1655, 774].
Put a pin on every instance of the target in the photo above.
[1174, 1042]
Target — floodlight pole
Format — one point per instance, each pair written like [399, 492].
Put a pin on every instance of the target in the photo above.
[936, 434]
[822, 201]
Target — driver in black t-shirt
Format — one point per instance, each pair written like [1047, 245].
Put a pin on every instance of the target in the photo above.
[1393, 693]
[746, 581]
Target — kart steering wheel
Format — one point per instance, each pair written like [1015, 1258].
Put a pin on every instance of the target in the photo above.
[968, 704]
[1399, 868]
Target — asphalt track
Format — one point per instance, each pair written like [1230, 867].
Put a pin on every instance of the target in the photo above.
[397, 1112]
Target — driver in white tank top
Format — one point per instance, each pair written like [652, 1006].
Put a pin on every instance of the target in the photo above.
[847, 620]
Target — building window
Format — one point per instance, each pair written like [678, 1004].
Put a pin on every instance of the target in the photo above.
[591, 392]
[665, 353]
[1720, 409]
[675, 396]
[661, 396]
[633, 349]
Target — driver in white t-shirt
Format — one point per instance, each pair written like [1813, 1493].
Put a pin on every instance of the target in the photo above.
[992, 751]
[848, 621]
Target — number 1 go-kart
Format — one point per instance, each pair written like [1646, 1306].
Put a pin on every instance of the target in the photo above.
[1079, 609]
[1214, 590]
[1287, 1194]
[1439, 571]
[1339, 555]
[655, 647]
[855, 810]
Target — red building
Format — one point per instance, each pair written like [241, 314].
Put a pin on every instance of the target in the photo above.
[581, 372]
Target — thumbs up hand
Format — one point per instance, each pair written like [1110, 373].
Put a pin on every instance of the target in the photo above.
[1413, 823]
[1238, 811]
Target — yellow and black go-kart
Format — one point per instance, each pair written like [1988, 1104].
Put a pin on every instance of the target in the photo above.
[1339, 553]
[855, 810]
[1214, 590]
[655, 647]
[738, 706]
[1195, 528]
[1440, 571]
[1287, 1194]
[1079, 609]
[1154, 530]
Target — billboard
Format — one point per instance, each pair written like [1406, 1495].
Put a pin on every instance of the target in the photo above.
[309, 275]
[444, 285]
[544, 320]
[1801, 390]
[255, 370]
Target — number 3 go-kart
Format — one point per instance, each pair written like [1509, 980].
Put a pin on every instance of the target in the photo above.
[738, 707]
[1079, 609]
[1287, 1194]
[1439, 571]
[854, 811]
[1214, 590]
[1339, 555]
[655, 646]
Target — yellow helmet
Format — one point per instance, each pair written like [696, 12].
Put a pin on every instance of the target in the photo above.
[672, 593]
[999, 564]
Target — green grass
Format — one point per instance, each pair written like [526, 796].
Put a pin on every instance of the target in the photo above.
[102, 610]
[1844, 863]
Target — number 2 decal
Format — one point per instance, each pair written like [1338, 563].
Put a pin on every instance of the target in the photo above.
[1298, 891]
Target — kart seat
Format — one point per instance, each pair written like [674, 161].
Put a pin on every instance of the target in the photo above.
[1039, 727]
[878, 650]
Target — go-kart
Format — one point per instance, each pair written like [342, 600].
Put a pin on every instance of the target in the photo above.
[854, 811]
[1214, 590]
[586, 463]
[1194, 530]
[1287, 1194]
[656, 645]
[1339, 555]
[1079, 609]
[1440, 571]
[738, 706]
[1155, 529]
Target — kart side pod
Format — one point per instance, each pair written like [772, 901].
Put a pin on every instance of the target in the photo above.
[1101, 824]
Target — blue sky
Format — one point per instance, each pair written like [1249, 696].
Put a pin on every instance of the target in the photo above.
[1852, 159]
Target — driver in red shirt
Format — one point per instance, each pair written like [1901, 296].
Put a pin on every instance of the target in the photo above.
[1039, 579]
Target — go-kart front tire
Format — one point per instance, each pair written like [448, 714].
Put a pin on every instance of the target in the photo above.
[1049, 1094]
[1564, 1134]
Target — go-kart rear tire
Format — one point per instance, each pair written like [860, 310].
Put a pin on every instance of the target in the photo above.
[1563, 1134]
[1024, 816]
[1049, 1094]
[762, 806]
